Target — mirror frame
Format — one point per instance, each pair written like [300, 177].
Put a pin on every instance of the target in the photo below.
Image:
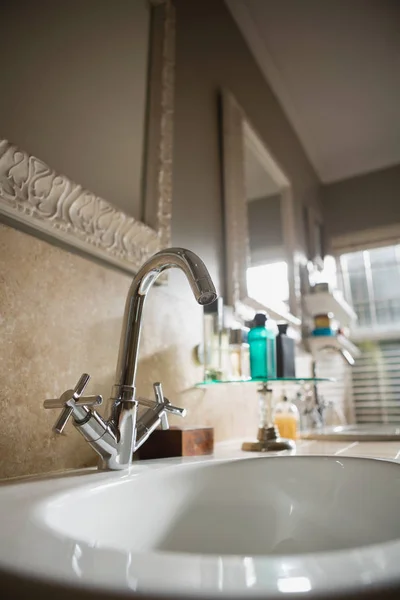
[36, 199]
[316, 251]
[236, 127]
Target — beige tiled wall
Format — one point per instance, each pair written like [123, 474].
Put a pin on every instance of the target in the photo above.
[60, 315]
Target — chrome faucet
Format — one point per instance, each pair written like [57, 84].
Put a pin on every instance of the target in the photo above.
[117, 438]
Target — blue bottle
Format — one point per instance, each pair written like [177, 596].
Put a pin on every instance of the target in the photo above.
[262, 346]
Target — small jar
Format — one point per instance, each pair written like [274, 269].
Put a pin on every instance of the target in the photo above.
[238, 353]
[287, 418]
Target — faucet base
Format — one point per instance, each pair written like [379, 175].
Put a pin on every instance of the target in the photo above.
[269, 441]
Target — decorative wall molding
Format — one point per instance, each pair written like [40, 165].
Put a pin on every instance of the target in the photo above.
[33, 194]
[36, 197]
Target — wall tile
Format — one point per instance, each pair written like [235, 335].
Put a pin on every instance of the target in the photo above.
[60, 315]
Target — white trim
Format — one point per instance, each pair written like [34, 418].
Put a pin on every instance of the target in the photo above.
[366, 239]
[315, 254]
[330, 302]
[41, 200]
[375, 334]
[317, 343]
[279, 313]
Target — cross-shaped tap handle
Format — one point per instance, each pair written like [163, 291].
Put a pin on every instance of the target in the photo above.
[162, 405]
[71, 399]
[158, 392]
[168, 407]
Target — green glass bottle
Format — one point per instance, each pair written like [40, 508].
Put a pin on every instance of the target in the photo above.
[262, 346]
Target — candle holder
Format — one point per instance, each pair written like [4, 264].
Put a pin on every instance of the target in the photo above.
[268, 438]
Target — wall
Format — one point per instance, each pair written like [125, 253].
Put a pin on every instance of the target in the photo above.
[75, 80]
[61, 314]
[212, 55]
[362, 202]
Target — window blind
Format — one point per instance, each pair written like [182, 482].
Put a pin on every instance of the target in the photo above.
[370, 279]
[376, 382]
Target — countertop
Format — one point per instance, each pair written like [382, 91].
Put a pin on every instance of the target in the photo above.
[231, 450]
[380, 450]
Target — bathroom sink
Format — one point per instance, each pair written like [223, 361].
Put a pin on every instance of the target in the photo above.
[355, 433]
[257, 527]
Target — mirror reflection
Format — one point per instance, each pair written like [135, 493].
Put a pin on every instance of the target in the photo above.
[267, 275]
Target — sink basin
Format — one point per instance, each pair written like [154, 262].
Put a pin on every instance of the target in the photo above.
[355, 433]
[258, 527]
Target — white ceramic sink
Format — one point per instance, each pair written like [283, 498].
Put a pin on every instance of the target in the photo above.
[259, 527]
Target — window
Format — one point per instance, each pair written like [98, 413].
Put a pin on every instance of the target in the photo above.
[371, 283]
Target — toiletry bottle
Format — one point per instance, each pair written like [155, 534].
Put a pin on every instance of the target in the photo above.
[238, 350]
[212, 339]
[262, 347]
[286, 418]
[285, 353]
[323, 325]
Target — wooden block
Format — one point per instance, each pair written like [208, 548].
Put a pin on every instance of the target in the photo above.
[194, 441]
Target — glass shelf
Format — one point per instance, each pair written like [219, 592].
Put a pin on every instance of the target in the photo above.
[268, 380]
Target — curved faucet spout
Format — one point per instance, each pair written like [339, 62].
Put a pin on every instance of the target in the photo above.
[203, 290]
[116, 439]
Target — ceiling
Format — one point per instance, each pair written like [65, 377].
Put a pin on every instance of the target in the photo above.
[335, 67]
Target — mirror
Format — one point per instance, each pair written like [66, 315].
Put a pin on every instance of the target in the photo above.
[267, 274]
[260, 230]
[87, 122]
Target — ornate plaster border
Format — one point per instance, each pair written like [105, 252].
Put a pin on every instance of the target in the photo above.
[34, 196]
